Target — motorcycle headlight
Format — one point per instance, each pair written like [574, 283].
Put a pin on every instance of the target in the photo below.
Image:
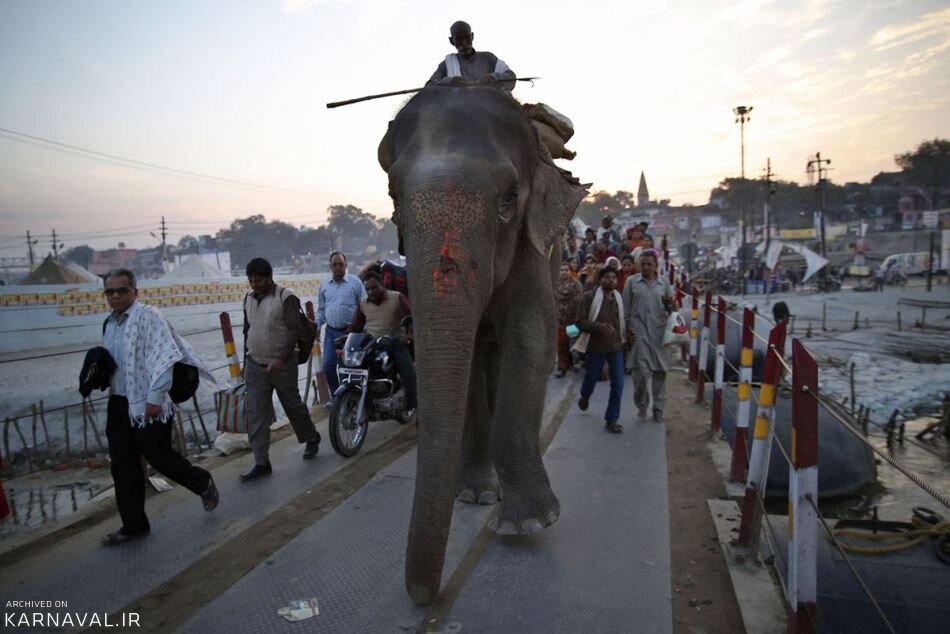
[353, 357]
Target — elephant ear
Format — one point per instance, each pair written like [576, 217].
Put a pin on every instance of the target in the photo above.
[555, 195]
[384, 153]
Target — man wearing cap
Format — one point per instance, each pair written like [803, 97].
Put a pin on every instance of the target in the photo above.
[608, 229]
[468, 66]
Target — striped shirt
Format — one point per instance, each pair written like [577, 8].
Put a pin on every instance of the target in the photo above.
[337, 301]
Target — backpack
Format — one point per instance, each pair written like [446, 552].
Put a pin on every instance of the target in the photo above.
[185, 378]
[306, 329]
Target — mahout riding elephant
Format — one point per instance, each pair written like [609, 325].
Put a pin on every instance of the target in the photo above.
[479, 207]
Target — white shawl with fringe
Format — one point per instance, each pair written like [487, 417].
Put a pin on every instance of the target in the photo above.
[581, 344]
[150, 346]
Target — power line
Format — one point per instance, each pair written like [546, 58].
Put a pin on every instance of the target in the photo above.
[169, 171]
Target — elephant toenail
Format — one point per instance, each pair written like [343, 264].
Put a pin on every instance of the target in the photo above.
[467, 496]
[531, 526]
[552, 517]
[505, 528]
[487, 497]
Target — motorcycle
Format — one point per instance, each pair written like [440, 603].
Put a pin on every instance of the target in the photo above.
[370, 390]
[828, 283]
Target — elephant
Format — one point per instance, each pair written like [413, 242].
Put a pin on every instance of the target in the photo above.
[479, 207]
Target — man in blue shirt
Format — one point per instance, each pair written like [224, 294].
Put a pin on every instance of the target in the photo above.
[337, 301]
[145, 349]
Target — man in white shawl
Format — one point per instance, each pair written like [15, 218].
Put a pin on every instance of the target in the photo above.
[145, 349]
[469, 66]
[601, 322]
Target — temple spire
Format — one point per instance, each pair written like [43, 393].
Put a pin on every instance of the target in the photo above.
[643, 194]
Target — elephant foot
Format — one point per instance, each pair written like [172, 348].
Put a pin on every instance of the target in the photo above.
[526, 515]
[478, 486]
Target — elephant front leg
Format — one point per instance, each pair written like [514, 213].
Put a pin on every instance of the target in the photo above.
[478, 483]
[528, 503]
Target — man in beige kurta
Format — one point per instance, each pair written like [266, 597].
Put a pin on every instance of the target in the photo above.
[647, 301]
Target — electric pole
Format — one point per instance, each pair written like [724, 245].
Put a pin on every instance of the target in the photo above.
[164, 229]
[56, 246]
[769, 190]
[743, 114]
[30, 241]
[810, 168]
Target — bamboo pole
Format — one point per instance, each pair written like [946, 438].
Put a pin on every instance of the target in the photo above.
[66, 430]
[93, 420]
[49, 445]
[408, 91]
[85, 430]
[19, 432]
[194, 432]
[33, 418]
[6, 441]
[201, 420]
[851, 379]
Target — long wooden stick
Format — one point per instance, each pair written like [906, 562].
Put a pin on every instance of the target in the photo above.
[337, 104]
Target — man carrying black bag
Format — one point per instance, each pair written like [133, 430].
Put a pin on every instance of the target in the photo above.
[144, 348]
[271, 334]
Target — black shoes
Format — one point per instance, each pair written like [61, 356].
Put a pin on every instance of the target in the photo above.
[583, 404]
[257, 471]
[614, 426]
[210, 497]
[311, 450]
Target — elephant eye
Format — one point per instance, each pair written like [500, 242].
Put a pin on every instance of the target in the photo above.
[508, 205]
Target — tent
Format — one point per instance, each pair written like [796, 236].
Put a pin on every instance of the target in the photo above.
[193, 268]
[55, 272]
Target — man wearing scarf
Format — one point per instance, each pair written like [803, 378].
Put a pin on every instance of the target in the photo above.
[601, 322]
[145, 349]
[469, 65]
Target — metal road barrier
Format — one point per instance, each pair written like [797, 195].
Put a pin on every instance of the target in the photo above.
[751, 464]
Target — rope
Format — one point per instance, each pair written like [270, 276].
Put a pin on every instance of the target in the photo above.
[847, 560]
[906, 539]
[916, 479]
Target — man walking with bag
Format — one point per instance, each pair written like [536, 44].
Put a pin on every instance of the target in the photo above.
[145, 349]
[600, 320]
[647, 302]
[271, 332]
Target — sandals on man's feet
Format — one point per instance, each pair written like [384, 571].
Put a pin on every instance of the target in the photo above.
[118, 537]
[614, 426]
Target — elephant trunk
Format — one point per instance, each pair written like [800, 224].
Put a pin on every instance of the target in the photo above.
[444, 346]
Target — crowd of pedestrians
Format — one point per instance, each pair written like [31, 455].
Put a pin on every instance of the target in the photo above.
[612, 310]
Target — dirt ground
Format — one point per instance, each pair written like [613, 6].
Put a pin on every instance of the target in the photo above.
[703, 598]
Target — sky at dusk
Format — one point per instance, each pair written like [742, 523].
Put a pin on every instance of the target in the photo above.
[237, 90]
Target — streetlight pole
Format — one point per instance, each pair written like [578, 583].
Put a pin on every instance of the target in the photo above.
[743, 114]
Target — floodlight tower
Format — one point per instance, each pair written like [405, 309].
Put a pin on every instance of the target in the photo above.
[743, 114]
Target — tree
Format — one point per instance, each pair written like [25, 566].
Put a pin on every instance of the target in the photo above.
[81, 255]
[188, 244]
[928, 165]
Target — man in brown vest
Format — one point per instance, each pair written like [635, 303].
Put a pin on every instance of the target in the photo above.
[271, 324]
[378, 315]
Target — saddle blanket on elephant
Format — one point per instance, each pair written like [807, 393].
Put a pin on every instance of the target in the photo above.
[554, 129]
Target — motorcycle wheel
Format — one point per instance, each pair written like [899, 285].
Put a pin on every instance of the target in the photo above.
[346, 433]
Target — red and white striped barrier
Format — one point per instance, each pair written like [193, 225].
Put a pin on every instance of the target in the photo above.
[740, 462]
[321, 389]
[693, 334]
[763, 435]
[802, 491]
[703, 349]
[720, 364]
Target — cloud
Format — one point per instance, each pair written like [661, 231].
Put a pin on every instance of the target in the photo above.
[931, 24]
[302, 6]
